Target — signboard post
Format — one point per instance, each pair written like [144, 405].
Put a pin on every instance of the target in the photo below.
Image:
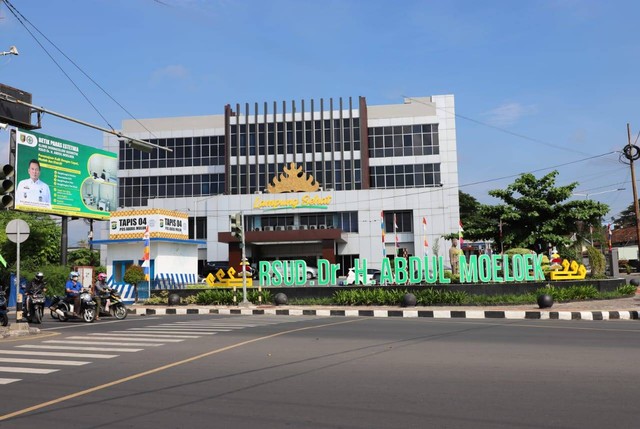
[17, 232]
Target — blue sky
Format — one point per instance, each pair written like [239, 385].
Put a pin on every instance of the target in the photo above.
[538, 84]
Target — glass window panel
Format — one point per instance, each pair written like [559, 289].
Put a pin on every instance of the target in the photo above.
[409, 180]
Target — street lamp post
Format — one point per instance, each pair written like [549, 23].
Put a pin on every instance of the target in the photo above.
[12, 51]
[196, 204]
[587, 195]
[195, 219]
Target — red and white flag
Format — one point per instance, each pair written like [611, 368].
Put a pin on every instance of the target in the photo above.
[460, 231]
[395, 231]
[425, 243]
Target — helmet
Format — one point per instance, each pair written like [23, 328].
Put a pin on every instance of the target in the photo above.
[102, 276]
[73, 274]
[40, 276]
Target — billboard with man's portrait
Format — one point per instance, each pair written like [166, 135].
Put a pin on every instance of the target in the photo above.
[64, 178]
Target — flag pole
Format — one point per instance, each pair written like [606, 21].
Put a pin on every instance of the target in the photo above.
[382, 228]
[424, 230]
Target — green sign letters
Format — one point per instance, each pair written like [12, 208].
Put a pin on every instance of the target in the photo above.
[411, 270]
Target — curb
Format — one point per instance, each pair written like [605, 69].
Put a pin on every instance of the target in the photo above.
[18, 330]
[403, 313]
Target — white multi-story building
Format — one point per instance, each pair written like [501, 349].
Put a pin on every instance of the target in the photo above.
[329, 180]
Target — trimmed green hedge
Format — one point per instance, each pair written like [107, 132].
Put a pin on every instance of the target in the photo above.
[429, 297]
[393, 297]
[214, 297]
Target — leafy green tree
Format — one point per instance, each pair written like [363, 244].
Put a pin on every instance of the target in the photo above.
[475, 223]
[134, 275]
[84, 257]
[55, 276]
[626, 218]
[535, 215]
[41, 248]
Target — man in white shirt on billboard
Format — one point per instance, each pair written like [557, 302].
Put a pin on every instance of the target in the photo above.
[33, 191]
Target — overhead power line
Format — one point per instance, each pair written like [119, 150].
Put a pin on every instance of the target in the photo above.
[503, 130]
[22, 19]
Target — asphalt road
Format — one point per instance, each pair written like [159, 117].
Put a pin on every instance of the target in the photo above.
[322, 372]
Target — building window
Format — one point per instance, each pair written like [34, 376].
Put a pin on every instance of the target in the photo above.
[277, 221]
[403, 221]
[135, 191]
[119, 268]
[200, 227]
[348, 221]
[318, 139]
[403, 140]
[405, 176]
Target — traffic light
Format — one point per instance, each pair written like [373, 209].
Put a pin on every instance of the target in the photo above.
[6, 186]
[237, 229]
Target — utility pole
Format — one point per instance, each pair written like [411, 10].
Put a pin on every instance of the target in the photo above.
[632, 153]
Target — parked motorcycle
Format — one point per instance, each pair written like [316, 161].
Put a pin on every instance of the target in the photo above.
[54, 305]
[64, 311]
[35, 307]
[112, 305]
[4, 319]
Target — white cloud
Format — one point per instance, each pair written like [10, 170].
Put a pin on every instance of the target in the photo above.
[508, 114]
[171, 72]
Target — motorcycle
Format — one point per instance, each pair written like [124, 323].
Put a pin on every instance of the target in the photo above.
[35, 306]
[64, 311]
[112, 305]
[4, 319]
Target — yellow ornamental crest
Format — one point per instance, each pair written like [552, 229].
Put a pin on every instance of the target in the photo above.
[293, 179]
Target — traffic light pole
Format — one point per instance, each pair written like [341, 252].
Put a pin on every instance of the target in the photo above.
[133, 142]
[245, 302]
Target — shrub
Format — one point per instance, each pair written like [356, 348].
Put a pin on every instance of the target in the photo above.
[572, 293]
[432, 296]
[161, 298]
[225, 297]
[519, 251]
[134, 275]
[596, 260]
[626, 290]
[55, 276]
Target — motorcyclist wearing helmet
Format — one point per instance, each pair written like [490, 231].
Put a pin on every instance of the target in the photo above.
[100, 290]
[73, 289]
[37, 285]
